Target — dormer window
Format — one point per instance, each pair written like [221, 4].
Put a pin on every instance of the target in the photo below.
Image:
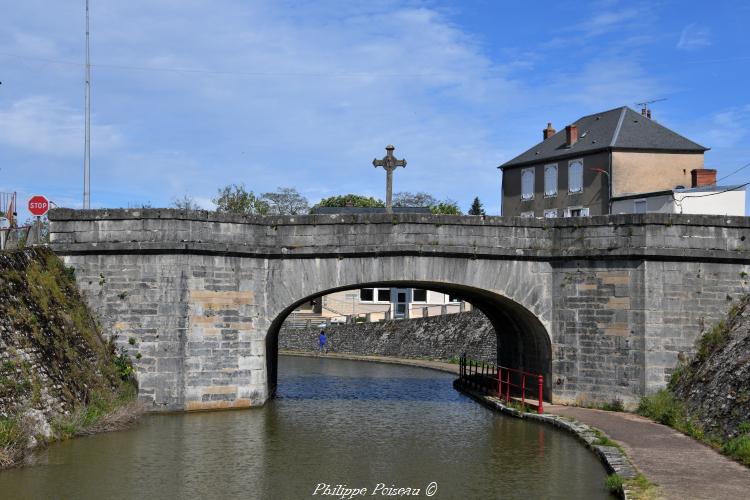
[575, 176]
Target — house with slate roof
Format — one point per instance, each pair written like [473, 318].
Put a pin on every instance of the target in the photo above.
[579, 170]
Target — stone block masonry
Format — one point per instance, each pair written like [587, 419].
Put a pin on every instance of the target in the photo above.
[602, 306]
[436, 337]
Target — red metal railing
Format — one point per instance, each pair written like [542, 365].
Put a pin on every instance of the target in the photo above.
[507, 383]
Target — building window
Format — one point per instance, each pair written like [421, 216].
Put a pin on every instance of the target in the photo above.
[640, 206]
[527, 184]
[577, 212]
[550, 213]
[575, 176]
[550, 180]
[453, 299]
[375, 295]
[528, 215]
[419, 295]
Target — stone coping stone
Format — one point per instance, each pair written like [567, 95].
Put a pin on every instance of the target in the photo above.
[68, 214]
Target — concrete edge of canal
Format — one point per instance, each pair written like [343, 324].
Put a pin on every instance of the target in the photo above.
[613, 459]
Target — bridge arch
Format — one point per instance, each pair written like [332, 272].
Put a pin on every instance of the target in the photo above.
[522, 339]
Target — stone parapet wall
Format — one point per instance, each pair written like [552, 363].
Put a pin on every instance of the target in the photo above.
[657, 236]
[437, 337]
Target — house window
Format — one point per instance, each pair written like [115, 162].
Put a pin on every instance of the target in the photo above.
[640, 206]
[419, 295]
[550, 180]
[550, 213]
[527, 184]
[577, 212]
[453, 299]
[528, 215]
[375, 295]
[575, 176]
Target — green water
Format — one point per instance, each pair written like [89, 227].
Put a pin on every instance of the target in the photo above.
[334, 422]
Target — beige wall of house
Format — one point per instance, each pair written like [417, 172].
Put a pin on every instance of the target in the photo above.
[348, 302]
[648, 172]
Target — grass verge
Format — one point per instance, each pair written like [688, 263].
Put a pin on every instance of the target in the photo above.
[105, 412]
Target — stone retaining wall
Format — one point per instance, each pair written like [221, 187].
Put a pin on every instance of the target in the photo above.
[437, 337]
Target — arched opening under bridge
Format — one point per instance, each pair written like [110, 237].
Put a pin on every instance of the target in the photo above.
[522, 340]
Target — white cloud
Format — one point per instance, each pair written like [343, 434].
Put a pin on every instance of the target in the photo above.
[307, 92]
[729, 127]
[693, 37]
[46, 126]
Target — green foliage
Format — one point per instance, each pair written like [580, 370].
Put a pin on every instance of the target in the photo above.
[186, 202]
[123, 366]
[235, 199]
[351, 200]
[420, 199]
[476, 207]
[712, 341]
[666, 409]
[738, 448]
[286, 201]
[615, 405]
[662, 407]
[613, 483]
[446, 207]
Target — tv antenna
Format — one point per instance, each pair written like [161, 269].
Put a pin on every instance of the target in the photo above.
[644, 106]
[87, 122]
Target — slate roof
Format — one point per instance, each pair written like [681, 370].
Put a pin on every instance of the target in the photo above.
[619, 129]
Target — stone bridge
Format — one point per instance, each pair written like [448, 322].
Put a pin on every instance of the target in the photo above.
[602, 306]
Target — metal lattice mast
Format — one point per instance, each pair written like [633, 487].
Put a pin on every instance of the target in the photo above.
[87, 125]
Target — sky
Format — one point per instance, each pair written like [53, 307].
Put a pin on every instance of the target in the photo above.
[191, 95]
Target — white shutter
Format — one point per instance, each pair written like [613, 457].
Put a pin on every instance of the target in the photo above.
[575, 176]
[527, 183]
[550, 180]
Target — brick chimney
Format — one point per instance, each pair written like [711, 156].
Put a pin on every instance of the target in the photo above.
[548, 132]
[571, 135]
[703, 177]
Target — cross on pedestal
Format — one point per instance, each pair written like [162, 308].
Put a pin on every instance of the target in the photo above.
[389, 163]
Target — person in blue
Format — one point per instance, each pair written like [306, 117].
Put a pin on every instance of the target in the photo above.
[322, 341]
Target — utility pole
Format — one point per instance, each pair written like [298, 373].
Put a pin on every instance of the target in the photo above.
[87, 123]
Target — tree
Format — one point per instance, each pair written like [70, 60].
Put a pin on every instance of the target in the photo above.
[447, 207]
[476, 207]
[350, 200]
[185, 203]
[407, 199]
[286, 201]
[235, 199]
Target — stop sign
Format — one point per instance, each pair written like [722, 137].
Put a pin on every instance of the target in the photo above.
[38, 205]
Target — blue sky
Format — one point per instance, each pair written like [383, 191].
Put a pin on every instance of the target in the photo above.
[191, 95]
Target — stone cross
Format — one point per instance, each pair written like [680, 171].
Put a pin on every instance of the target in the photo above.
[389, 163]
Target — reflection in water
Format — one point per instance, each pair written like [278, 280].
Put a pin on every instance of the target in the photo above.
[337, 422]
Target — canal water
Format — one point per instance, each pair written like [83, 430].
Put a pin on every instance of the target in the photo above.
[334, 422]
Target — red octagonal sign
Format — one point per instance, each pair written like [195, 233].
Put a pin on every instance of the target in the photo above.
[38, 205]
